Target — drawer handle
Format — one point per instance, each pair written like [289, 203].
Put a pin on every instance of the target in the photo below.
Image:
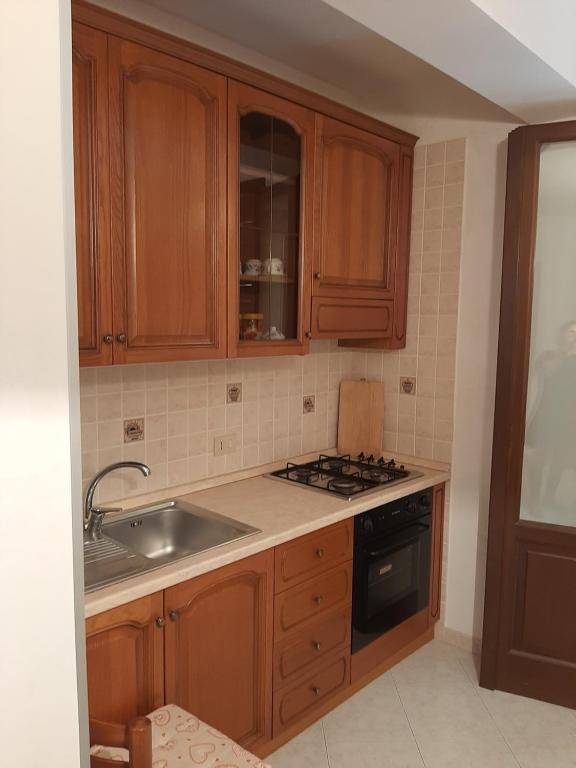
[318, 599]
[317, 646]
[315, 690]
[319, 552]
[160, 621]
[173, 615]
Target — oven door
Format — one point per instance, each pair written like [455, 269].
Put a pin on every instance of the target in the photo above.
[391, 580]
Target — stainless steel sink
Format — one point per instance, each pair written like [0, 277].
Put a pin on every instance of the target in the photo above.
[149, 537]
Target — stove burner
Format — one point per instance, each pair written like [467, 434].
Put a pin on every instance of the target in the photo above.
[345, 484]
[304, 474]
[335, 464]
[377, 475]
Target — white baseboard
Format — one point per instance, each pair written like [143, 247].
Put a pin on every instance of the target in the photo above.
[459, 639]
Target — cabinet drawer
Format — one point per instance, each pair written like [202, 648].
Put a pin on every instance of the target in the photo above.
[295, 701]
[301, 654]
[315, 598]
[344, 318]
[312, 554]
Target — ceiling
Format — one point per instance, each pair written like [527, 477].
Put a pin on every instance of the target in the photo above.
[321, 41]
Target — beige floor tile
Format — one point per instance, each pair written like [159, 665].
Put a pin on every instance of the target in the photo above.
[395, 753]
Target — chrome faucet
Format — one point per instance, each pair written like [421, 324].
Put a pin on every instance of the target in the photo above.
[93, 516]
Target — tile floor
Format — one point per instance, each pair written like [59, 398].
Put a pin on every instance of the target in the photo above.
[429, 712]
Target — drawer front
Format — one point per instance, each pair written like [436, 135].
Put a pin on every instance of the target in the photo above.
[312, 554]
[293, 608]
[351, 318]
[294, 702]
[301, 654]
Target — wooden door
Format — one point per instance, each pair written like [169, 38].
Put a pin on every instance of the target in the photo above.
[219, 648]
[168, 181]
[529, 642]
[270, 207]
[125, 660]
[92, 194]
[355, 228]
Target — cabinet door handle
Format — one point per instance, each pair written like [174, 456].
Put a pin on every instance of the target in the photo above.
[108, 338]
[317, 275]
[160, 621]
[319, 552]
[121, 337]
[318, 599]
[315, 690]
[308, 334]
[173, 615]
[317, 646]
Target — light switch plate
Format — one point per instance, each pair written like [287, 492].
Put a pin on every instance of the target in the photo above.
[407, 385]
[308, 404]
[234, 393]
[224, 444]
[133, 430]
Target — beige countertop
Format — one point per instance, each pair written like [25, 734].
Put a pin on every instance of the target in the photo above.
[281, 510]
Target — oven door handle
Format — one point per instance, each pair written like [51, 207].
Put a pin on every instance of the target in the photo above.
[398, 544]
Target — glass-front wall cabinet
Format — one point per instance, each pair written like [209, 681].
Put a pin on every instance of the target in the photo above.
[272, 283]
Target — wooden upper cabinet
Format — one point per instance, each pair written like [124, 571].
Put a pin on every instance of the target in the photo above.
[125, 660]
[270, 207]
[219, 647]
[91, 194]
[168, 206]
[360, 255]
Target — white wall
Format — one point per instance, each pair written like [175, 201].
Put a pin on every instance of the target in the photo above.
[43, 701]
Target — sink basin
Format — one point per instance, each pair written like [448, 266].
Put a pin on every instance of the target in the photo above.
[149, 537]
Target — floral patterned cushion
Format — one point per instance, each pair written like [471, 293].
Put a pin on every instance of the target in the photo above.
[180, 739]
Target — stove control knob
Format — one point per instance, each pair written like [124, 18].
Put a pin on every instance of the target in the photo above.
[370, 458]
[424, 502]
[368, 526]
[361, 456]
[402, 466]
[381, 460]
[411, 507]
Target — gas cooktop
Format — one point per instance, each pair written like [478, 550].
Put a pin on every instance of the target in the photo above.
[346, 477]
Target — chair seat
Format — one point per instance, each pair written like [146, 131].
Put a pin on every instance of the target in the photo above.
[180, 739]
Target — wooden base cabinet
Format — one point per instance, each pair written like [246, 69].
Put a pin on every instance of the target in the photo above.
[218, 650]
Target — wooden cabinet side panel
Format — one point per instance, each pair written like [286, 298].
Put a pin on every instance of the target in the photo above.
[219, 648]
[125, 660]
[168, 174]
[91, 193]
[437, 547]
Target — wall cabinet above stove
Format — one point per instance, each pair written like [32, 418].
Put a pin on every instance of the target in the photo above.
[222, 212]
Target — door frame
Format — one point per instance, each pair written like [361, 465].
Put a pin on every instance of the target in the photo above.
[501, 662]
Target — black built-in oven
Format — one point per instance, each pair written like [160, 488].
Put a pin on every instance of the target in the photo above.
[391, 565]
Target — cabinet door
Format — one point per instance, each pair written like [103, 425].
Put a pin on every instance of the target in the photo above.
[355, 235]
[125, 659]
[167, 146]
[92, 194]
[270, 180]
[219, 648]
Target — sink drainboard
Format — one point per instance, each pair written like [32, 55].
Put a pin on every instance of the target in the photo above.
[104, 549]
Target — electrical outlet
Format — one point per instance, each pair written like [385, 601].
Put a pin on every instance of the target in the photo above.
[224, 444]
[308, 404]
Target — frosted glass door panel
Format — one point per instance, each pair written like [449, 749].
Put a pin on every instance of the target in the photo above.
[549, 465]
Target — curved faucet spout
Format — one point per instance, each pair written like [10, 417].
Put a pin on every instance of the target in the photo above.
[93, 516]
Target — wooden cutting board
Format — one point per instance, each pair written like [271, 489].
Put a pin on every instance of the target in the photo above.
[361, 417]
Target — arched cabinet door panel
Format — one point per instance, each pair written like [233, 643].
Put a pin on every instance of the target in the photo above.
[270, 206]
[219, 648]
[167, 147]
[91, 194]
[125, 660]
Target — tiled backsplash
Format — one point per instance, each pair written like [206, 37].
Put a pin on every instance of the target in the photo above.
[184, 404]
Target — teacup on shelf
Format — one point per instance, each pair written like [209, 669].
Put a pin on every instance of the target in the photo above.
[253, 267]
